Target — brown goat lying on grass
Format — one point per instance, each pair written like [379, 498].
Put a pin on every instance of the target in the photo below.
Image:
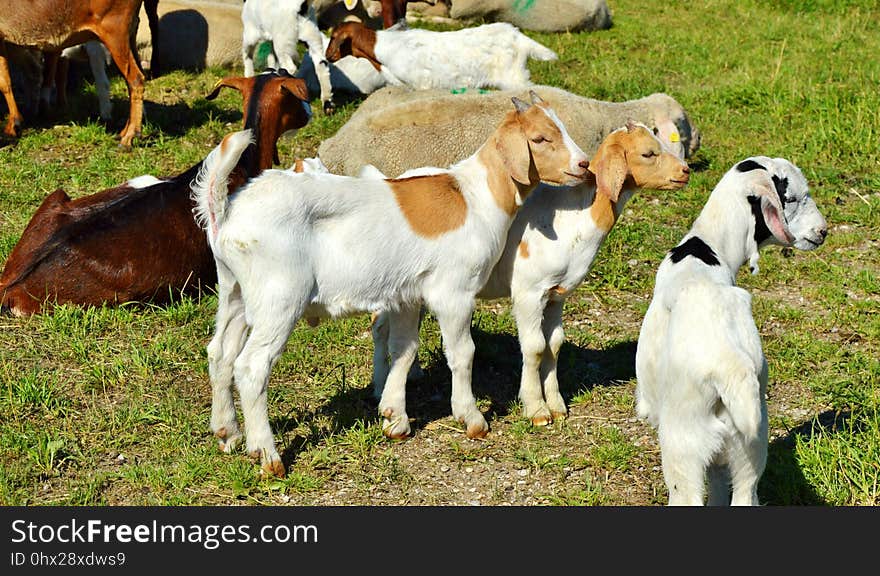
[139, 241]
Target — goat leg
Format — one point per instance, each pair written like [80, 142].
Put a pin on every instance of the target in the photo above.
[120, 51]
[14, 121]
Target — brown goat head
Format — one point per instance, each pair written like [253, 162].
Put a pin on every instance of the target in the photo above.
[282, 105]
[353, 39]
[137, 242]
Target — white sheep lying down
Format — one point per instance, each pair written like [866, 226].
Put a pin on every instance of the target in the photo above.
[701, 372]
[396, 129]
[291, 244]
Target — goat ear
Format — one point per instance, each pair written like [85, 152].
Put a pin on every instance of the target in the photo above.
[773, 212]
[513, 147]
[297, 87]
[231, 82]
[520, 105]
[535, 98]
[609, 166]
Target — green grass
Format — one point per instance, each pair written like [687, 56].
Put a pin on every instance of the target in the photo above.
[111, 406]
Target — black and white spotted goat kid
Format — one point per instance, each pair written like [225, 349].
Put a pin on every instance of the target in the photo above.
[701, 371]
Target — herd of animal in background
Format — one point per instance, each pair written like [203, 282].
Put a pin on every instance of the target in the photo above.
[523, 217]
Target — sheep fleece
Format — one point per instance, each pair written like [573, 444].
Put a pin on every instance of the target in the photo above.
[538, 15]
[396, 129]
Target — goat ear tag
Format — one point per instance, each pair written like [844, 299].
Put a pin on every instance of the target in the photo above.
[350, 4]
[674, 137]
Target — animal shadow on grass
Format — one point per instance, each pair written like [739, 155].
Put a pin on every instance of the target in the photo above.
[783, 482]
[496, 377]
[498, 368]
[169, 119]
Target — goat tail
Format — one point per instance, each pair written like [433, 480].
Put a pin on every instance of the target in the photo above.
[536, 50]
[740, 393]
[210, 188]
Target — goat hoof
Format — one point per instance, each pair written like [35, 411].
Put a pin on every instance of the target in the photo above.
[395, 426]
[542, 420]
[558, 416]
[329, 107]
[12, 130]
[227, 442]
[477, 431]
[227, 446]
[473, 420]
[538, 413]
[274, 468]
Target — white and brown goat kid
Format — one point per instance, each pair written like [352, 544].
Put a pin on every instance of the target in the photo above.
[701, 371]
[292, 244]
[550, 248]
[492, 55]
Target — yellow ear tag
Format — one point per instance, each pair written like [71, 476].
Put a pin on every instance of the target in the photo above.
[674, 137]
[350, 4]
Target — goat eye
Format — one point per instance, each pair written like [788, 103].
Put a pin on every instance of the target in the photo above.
[538, 139]
[649, 154]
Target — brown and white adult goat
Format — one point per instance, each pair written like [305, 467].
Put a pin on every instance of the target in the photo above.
[52, 25]
[139, 241]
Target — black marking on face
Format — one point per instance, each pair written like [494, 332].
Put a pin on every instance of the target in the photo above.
[694, 246]
[304, 9]
[781, 185]
[762, 232]
[748, 166]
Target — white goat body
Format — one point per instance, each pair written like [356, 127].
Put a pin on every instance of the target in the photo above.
[488, 56]
[291, 244]
[701, 372]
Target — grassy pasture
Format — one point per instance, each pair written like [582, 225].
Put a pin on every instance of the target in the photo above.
[111, 406]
